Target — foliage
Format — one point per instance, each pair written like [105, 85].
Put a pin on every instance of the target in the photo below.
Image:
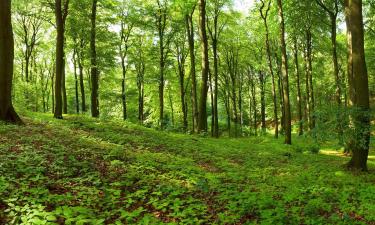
[87, 171]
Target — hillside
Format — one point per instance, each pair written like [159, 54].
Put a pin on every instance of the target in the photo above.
[86, 171]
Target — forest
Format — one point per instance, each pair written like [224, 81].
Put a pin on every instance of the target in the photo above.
[187, 112]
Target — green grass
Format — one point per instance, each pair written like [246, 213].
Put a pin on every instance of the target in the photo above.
[86, 171]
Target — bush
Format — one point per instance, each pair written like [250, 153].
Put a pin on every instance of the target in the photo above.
[314, 149]
[298, 149]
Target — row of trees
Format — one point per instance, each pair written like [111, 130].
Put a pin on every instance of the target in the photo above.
[245, 62]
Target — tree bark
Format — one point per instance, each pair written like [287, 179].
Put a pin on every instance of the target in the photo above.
[288, 125]
[94, 67]
[60, 14]
[7, 112]
[262, 83]
[76, 77]
[63, 83]
[190, 32]
[270, 66]
[358, 83]
[202, 120]
[81, 79]
[299, 95]
[333, 13]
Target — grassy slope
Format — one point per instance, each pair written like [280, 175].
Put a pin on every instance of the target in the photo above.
[81, 170]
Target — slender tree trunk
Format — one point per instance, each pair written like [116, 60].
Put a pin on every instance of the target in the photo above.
[140, 85]
[161, 23]
[311, 106]
[123, 89]
[307, 88]
[94, 68]
[358, 83]
[270, 66]
[288, 125]
[299, 96]
[333, 17]
[63, 83]
[7, 112]
[182, 96]
[255, 110]
[262, 101]
[202, 121]
[212, 105]
[190, 32]
[81, 80]
[76, 78]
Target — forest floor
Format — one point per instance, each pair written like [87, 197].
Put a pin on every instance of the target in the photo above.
[85, 171]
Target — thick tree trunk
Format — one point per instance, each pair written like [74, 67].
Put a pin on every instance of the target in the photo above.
[190, 32]
[202, 120]
[94, 67]
[7, 112]
[59, 59]
[358, 83]
[288, 125]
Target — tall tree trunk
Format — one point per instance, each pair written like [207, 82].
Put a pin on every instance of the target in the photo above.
[190, 32]
[333, 17]
[81, 80]
[358, 83]
[94, 68]
[7, 112]
[288, 123]
[123, 89]
[202, 120]
[310, 73]
[299, 96]
[76, 78]
[63, 83]
[262, 101]
[270, 66]
[183, 100]
[140, 85]
[60, 14]
[214, 34]
[161, 23]
[212, 105]
[255, 110]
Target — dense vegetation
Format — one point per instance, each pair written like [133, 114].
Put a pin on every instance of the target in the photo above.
[85, 171]
[187, 111]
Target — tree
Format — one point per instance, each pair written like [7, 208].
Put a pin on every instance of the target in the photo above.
[264, 16]
[94, 66]
[333, 10]
[214, 32]
[202, 120]
[7, 112]
[285, 79]
[161, 24]
[61, 13]
[126, 28]
[358, 86]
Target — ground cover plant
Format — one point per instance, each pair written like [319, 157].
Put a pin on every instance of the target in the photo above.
[88, 171]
